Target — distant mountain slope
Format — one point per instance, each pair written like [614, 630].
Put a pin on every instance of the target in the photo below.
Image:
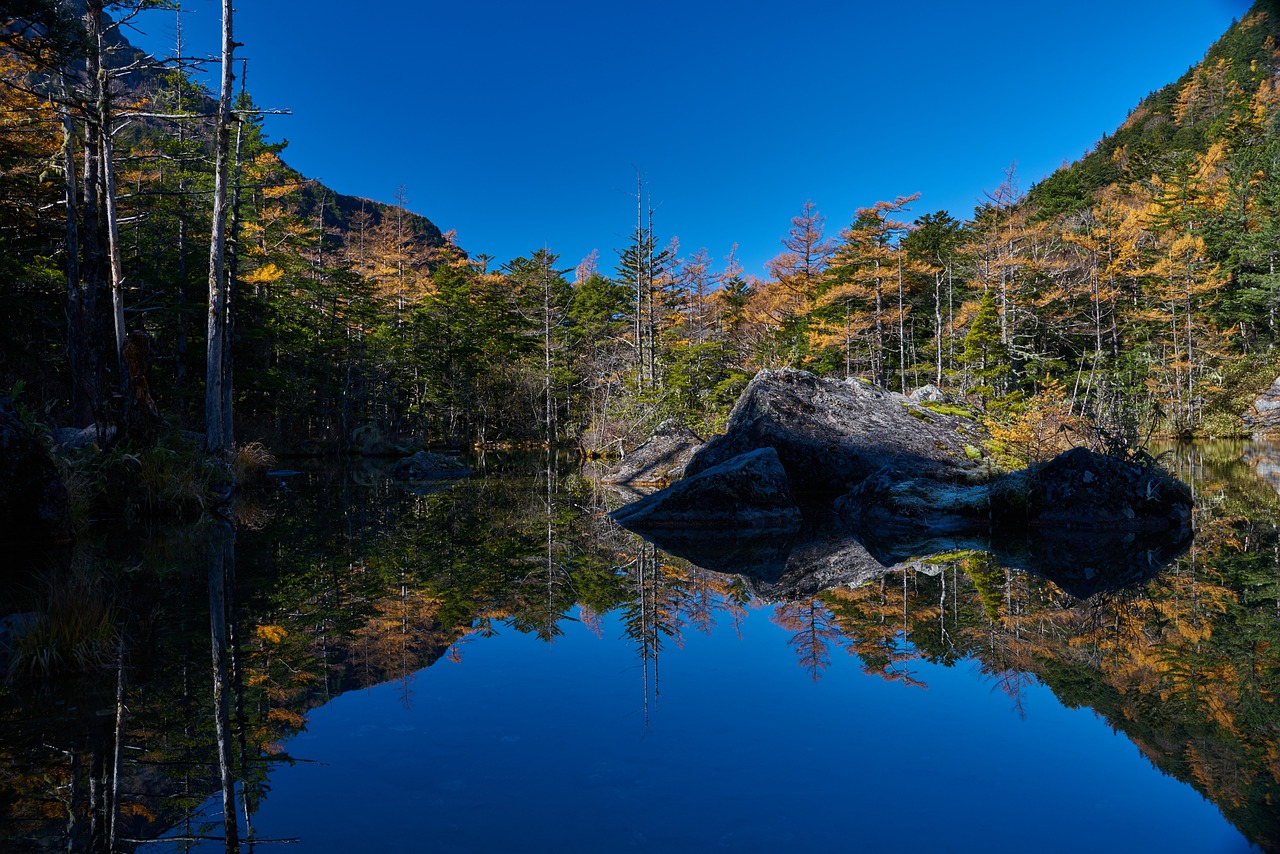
[1238, 73]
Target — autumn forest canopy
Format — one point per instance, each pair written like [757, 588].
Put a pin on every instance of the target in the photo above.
[1136, 289]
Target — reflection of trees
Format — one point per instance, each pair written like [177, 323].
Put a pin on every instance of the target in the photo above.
[813, 629]
[352, 590]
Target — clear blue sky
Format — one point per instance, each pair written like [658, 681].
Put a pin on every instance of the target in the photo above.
[521, 125]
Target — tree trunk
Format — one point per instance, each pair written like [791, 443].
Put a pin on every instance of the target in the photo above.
[217, 369]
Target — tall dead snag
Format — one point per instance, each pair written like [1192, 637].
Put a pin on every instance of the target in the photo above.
[217, 409]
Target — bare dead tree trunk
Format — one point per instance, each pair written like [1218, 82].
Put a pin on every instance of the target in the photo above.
[217, 368]
[107, 179]
[78, 329]
[233, 269]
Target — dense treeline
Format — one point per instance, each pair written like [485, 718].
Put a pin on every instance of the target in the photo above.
[1137, 288]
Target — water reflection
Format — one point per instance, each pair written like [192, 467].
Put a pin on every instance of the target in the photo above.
[235, 634]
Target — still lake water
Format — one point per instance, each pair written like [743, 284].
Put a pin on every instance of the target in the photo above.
[495, 666]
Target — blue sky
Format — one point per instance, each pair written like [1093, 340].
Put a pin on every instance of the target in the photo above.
[521, 125]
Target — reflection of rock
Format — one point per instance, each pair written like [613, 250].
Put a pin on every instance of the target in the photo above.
[1265, 459]
[831, 434]
[747, 491]
[1263, 418]
[779, 566]
[660, 459]
[1086, 562]
[33, 499]
[796, 565]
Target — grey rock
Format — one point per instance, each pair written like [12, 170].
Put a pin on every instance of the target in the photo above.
[831, 435]
[886, 500]
[929, 393]
[425, 465]
[33, 500]
[78, 437]
[1263, 418]
[367, 440]
[1082, 490]
[748, 491]
[1078, 490]
[659, 460]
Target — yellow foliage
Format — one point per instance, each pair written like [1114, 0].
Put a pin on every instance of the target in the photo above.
[138, 810]
[271, 634]
[1042, 430]
[264, 275]
[287, 717]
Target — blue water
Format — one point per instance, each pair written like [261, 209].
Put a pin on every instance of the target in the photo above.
[723, 744]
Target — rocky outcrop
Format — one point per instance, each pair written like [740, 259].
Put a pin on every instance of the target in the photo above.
[1085, 520]
[1081, 490]
[661, 459]
[749, 491]
[831, 434]
[33, 500]
[1263, 418]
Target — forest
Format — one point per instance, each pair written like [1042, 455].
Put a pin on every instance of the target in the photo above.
[164, 268]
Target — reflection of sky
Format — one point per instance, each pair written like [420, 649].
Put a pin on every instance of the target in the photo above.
[530, 747]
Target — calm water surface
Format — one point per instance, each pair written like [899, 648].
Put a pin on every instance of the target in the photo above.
[493, 665]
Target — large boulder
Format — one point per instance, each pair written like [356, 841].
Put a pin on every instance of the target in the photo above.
[832, 434]
[425, 465]
[1263, 418]
[660, 460]
[1086, 491]
[748, 491]
[34, 510]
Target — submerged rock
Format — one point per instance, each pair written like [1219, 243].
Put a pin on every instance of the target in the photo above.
[748, 491]
[660, 459]
[831, 435]
[34, 509]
